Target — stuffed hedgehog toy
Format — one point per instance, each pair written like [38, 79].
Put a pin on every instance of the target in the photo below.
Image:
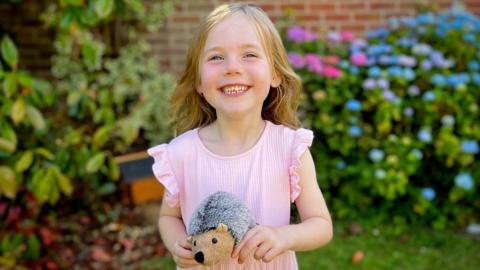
[217, 226]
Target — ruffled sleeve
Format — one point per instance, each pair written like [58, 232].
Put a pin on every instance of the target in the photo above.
[164, 173]
[303, 139]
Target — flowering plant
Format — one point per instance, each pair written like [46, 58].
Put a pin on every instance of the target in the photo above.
[396, 117]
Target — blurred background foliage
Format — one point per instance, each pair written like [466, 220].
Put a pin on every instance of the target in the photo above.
[58, 138]
[396, 117]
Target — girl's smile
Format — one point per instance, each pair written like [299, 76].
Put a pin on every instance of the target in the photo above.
[234, 90]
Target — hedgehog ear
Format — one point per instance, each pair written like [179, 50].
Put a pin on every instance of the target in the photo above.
[222, 228]
[189, 239]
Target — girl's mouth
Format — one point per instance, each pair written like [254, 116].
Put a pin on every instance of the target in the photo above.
[234, 90]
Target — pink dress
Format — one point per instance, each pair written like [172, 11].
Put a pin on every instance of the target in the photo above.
[264, 177]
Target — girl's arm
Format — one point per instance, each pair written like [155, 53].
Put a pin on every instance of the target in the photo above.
[314, 231]
[174, 235]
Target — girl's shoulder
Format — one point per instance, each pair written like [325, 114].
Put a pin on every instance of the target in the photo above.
[285, 132]
[184, 141]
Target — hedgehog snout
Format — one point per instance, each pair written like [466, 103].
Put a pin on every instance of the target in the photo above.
[199, 257]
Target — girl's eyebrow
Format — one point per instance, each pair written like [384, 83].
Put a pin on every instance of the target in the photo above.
[243, 46]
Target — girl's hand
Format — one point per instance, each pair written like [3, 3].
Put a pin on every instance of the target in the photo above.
[265, 242]
[182, 254]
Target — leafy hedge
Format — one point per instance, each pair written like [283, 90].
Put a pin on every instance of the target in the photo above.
[396, 117]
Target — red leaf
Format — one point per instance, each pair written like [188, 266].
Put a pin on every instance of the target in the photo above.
[99, 254]
[3, 207]
[13, 214]
[127, 243]
[46, 236]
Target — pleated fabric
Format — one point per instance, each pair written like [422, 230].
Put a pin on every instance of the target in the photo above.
[264, 177]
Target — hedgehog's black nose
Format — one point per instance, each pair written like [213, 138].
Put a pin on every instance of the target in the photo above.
[199, 257]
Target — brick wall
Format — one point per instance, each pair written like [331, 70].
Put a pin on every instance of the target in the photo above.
[34, 41]
[170, 43]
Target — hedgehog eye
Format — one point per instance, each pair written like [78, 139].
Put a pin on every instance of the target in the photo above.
[214, 240]
[194, 243]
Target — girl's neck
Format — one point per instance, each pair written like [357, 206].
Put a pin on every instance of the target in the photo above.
[231, 137]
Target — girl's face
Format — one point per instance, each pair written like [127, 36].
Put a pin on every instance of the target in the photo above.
[235, 75]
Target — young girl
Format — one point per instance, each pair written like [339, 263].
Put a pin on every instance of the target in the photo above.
[235, 108]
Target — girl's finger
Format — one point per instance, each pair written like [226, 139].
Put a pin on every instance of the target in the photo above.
[262, 250]
[181, 252]
[244, 240]
[185, 263]
[250, 246]
[272, 253]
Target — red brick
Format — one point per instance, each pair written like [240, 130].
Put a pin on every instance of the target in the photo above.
[337, 17]
[310, 18]
[185, 19]
[284, 7]
[353, 6]
[322, 7]
[366, 17]
[382, 5]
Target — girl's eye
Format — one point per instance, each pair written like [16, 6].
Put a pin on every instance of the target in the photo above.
[250, 55]
[214, 240]
[215, 58]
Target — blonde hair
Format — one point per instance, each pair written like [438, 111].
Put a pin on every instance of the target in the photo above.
[190, 110]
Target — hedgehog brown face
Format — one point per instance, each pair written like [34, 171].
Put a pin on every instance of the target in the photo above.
[212, 246]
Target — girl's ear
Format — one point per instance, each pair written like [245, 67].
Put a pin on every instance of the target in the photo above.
[276, 80]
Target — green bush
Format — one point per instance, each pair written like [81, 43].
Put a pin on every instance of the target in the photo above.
[396, 117]
[58, 139]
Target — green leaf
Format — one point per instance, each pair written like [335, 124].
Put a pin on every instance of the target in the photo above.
[45, 153]
[136, 5]
[92, 54]
[10, 84]
[24, 162]
[114, 169]
[102, 135]
[8, 138]
[8, 182]
[64, 183]
[7, 146]
[107, 188]
[103, 8]
[25, 80]
[9, 52]
[95, 163]
[33, 248]
[41, 185]
[36, 118]
[18, 111]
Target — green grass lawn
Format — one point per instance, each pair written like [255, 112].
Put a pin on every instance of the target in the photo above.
[420, 248]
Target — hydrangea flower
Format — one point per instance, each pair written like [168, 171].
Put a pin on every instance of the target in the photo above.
[470, 147]
[417, 153]
[296, 60]
[429, 193]
[299, 35]
[408, 111]
[369, 84]
[376, 155]
[355, 131]
[341, 165]
[353, 105]
[380, 173]
[464, 180]
[425, 135]
[448, 120]
[359, 59]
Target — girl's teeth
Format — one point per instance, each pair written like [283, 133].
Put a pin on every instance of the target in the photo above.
[235, 90]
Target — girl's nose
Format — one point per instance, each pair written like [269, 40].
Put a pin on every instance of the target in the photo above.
[233, 66]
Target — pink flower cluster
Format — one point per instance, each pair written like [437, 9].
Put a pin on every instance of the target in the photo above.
[343, 36]
[324, 66]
